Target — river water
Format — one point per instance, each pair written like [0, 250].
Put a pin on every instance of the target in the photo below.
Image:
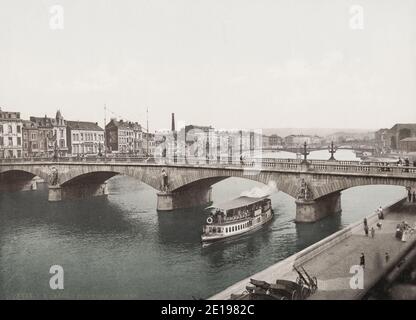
[120, 247]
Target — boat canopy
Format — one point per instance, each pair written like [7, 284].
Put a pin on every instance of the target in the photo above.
[237, 203]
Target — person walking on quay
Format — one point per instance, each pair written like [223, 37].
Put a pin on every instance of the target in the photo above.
[366, 230]
[380, 213]
[414, 196]
[362, 260]
[387, 257]
[365, 222]
[373, 232]
[409, 195]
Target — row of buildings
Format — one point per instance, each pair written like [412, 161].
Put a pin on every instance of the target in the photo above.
[45, 137]
[399, 138]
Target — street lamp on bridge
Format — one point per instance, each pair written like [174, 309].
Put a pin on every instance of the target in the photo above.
[332, 149]
[305, 153]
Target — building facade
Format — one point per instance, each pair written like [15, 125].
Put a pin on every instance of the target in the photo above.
[398, 132]
[149, 143]
[275, 140]
[52, 135]
[84, 138]
[11, 128]
[408, 144]
[297, 140]
[30, 139]
[124, 137]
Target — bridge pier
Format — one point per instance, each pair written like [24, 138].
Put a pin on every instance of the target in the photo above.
[59, 193]
[314, 210]
[188, 198]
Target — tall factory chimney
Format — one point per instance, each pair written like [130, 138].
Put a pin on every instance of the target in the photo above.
[173, 122]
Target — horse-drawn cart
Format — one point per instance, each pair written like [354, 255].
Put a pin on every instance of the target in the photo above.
[305, 280]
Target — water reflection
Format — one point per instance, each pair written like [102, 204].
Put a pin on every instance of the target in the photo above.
[181, 227]
[308, 234]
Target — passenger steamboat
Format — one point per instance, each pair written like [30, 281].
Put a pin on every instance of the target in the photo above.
[236, 217]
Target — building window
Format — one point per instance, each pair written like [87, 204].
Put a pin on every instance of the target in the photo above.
[19, 153]
[10, 129]
[18, 129]
[10, 141]
[19, 141]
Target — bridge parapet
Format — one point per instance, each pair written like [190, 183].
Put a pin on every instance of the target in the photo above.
[290, 165]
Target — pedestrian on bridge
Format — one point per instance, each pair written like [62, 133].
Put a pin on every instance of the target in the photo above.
[409, 195]
[362, 260]
[373, 232]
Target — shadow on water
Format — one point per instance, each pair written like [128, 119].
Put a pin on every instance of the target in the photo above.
[181, 226]
[310, 233]
[96, 215]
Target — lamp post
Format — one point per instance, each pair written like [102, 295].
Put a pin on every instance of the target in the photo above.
[332, 149]
[218, 148]
[56, 151]
[305, 153]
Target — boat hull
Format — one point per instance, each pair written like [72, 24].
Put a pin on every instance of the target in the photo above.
[265, 218]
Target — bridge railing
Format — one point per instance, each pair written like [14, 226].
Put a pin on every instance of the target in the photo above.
[258, 163]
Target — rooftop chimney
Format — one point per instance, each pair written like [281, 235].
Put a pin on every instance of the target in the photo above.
[173, 122]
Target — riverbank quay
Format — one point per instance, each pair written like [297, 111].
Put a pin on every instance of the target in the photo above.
[335, 260]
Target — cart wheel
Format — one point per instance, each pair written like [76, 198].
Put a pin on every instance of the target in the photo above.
[304, 293]
[315, 284]
[294, 295]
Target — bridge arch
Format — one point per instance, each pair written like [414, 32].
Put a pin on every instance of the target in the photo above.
[201, 177]
[21, 173]
[17, 180]
[96, 177]
[344, 183]
[75, 175]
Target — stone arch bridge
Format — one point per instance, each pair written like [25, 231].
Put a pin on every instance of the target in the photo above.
[315, 185]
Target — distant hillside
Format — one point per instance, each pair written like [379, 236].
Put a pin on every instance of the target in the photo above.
[322, 132]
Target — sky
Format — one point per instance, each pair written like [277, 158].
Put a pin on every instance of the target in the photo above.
[226, 63]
